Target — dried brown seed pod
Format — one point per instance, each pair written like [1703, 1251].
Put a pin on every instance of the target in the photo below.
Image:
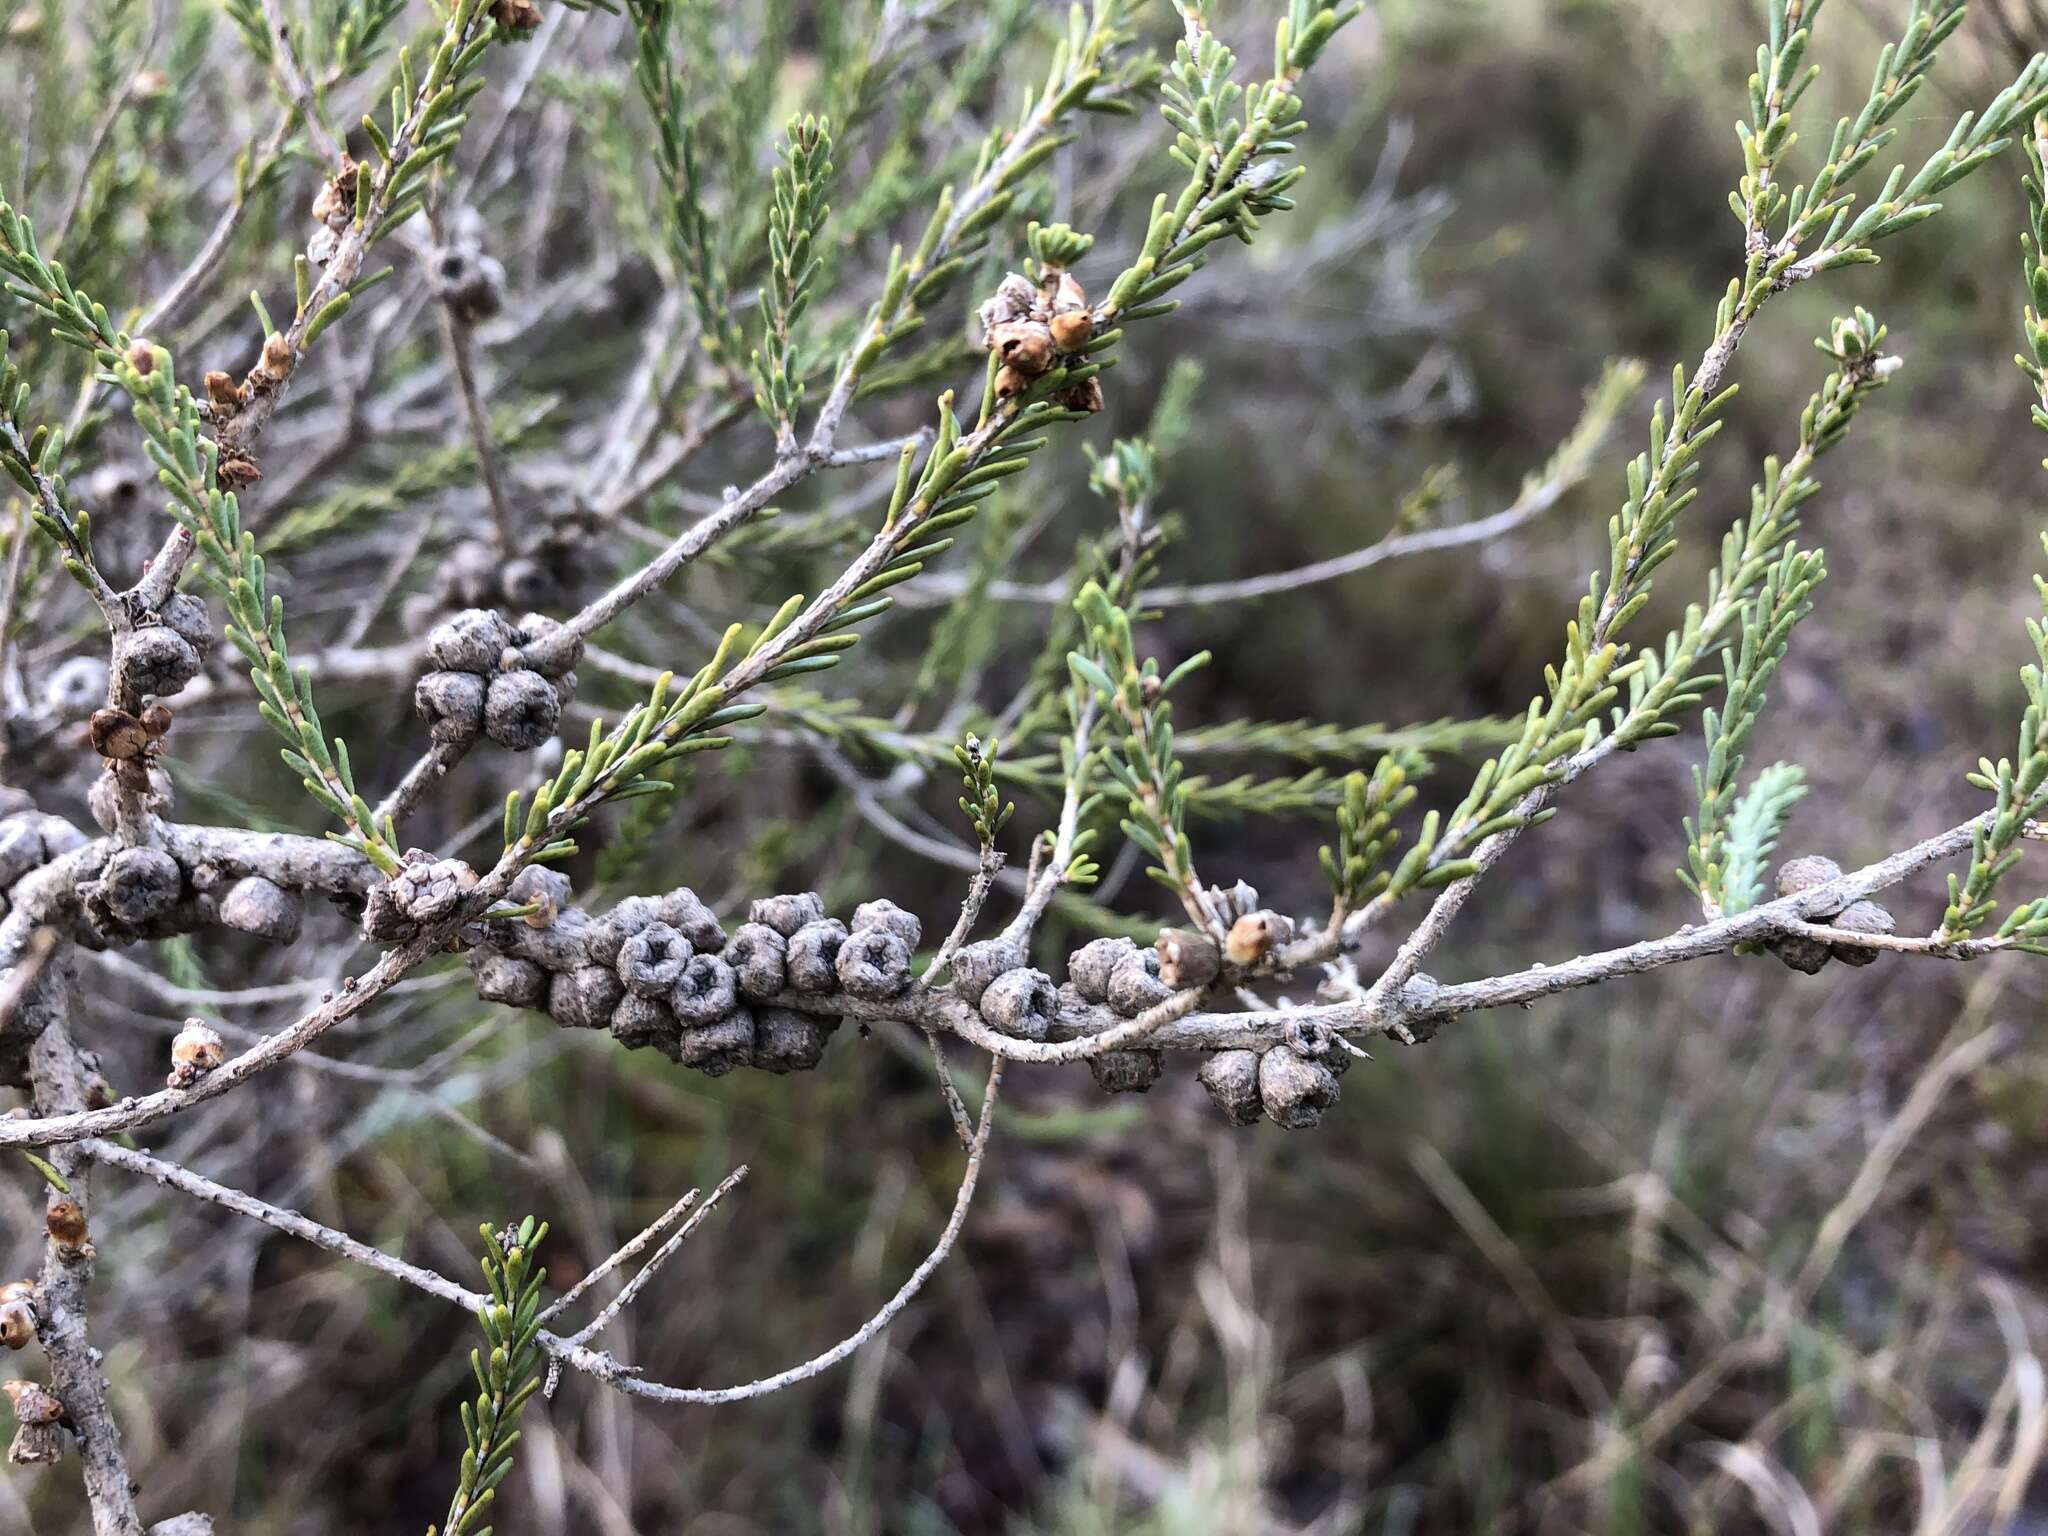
[137, 887]
[683, 911]
[788, 1041]
[1091, 966]
[640, 1022]
[1134, 985]
[155, 659]
[1232, 1079]
[186, 614]
[156, 721]
[116, 734]
[1021, 1003]
[886, 914]
[874, 964]
[428, 889]
[1295, 1090]
[556, 648]
[1861, 917]
[755, 953]
[1806, 872]
[611, 931]
[238, 472]
[974, 966]
[222, 390]
[195, 1051]
[786, 914]
[1126, 1071]
[1011, 382]
[1256, 935]
[470, 641]
[38, 1415]
[452, 704]
[17, 1315]
[384, 920]
[1025, 345]
[813, 954]
[706, 991]
[277, 359]
[64, 1220]
[521, 710]
[257, 906]
[652, 960]
[585, 997]
[502, 978]
[1187, 959]
[715, 1049]
[1083, 395]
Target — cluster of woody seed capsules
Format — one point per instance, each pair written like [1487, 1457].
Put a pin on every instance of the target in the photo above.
[661, 971]
[507, 683]
[1033, 328]
[1865, 917]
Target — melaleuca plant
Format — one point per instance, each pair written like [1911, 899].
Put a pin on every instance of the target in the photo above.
[615, 401]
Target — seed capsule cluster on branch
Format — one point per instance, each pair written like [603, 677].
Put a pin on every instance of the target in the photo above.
[1810, 955]
[661, 971]
[483, 682]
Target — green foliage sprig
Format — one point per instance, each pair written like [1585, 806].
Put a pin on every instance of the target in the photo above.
[188, 464]
[1144, 762]
[795, 219]
[506, 1377]
[986, 810]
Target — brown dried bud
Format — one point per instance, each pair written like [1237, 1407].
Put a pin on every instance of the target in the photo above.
[1232, 1079]
[1084, 396]
[196, 1051]
[222, 390]
[1072, 332]
[156, 720]
[36, 1445]
[336, 203]
[1256, 935]
[1187, 959]
[142, 357]
[117, 734]
[64, 1220]
[1010, 383]
[277, 357]
[17, 1315]
[33, 1402]
[238, 472]
[1025, 345]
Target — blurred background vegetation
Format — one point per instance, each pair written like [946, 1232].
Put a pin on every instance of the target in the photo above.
[1458, 1305]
